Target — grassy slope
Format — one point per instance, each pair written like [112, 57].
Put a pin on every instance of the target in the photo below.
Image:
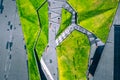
[96, 15]
[72, 60]
[43, 39]
[31, 28]
[29, 20]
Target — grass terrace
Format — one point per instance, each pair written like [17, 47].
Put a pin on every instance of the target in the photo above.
[94, 15]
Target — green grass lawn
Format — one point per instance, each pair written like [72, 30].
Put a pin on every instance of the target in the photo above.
[73, 57]
[43, 39]
[96, 16]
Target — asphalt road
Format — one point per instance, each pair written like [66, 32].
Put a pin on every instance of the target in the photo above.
[13, 57]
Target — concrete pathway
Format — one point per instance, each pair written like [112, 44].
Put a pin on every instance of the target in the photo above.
[49, 58]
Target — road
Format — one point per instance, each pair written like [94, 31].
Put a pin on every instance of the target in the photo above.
[13, 57]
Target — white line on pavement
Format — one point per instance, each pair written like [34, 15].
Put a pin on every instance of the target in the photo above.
[46, 69]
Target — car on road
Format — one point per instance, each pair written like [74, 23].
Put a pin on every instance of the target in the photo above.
[1, 6]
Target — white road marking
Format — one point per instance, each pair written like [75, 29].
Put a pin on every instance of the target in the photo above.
[46, 69]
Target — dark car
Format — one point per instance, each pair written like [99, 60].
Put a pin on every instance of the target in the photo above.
[1, 6]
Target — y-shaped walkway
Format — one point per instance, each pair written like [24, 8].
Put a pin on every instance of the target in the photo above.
[48, 64]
